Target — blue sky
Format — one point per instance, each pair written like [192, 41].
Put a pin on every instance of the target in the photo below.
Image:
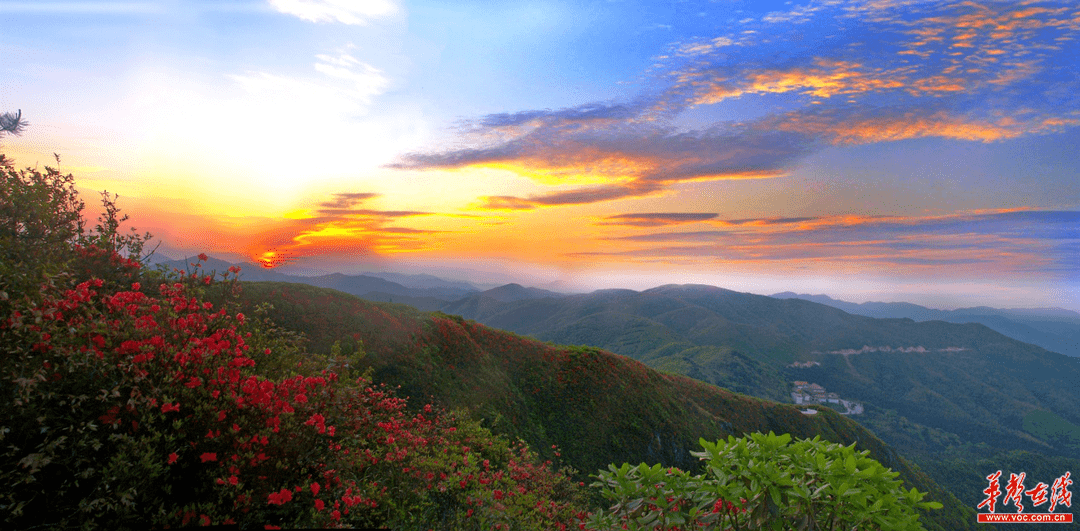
[868, 149]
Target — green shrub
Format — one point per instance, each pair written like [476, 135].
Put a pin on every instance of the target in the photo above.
[761, 482]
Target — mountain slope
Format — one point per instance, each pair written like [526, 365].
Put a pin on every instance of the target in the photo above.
[964, 379]
[598, 407]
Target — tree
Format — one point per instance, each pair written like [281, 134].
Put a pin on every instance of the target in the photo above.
[40, 216]
[12, 123]
[42, 230]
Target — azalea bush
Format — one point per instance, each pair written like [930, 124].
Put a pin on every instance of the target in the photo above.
[761, 482]
[149, 409]
[138, 399]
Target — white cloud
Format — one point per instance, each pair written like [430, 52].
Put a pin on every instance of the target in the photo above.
[362, 80]
[272, 134]
[348, 87]
[700, 48]
[343, 11]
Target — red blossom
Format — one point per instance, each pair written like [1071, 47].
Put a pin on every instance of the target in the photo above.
[279, 498]
[201, 349]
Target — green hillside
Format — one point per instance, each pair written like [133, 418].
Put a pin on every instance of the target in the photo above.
[949, 396]
[595, 406]
[961, 378]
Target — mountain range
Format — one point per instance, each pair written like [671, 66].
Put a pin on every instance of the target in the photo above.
[579, 406]
[962, 379]
[951, 396]
[1054, 329]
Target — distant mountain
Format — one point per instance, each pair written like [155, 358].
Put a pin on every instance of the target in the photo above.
[508, 293]
[421, 281]
[1055, 329]
[426, 304]
[427, 292]
[596, 406]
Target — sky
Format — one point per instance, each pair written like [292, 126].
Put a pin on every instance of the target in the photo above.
[889, 150]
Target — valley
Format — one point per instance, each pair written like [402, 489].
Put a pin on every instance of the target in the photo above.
[950, 396]
[596, 407]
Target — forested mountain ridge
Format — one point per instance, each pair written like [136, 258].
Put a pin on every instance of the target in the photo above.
[931, 389]
[746, 342]
[1054, 329]
[597, 407]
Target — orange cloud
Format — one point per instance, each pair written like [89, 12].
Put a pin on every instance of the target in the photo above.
[655, 219]
[841, 128]
[827, 78]
[632, 160]
[964, 48]
[341, 225]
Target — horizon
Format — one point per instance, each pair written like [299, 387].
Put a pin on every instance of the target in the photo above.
[908, 151]
[484, 286]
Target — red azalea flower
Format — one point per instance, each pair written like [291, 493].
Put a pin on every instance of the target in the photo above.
[279, 498]
[173, 457]
[208, 456]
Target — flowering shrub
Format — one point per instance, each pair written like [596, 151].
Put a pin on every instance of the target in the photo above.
[761, 482]
[147, 407]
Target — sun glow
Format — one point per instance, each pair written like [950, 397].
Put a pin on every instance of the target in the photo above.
[272, 259]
